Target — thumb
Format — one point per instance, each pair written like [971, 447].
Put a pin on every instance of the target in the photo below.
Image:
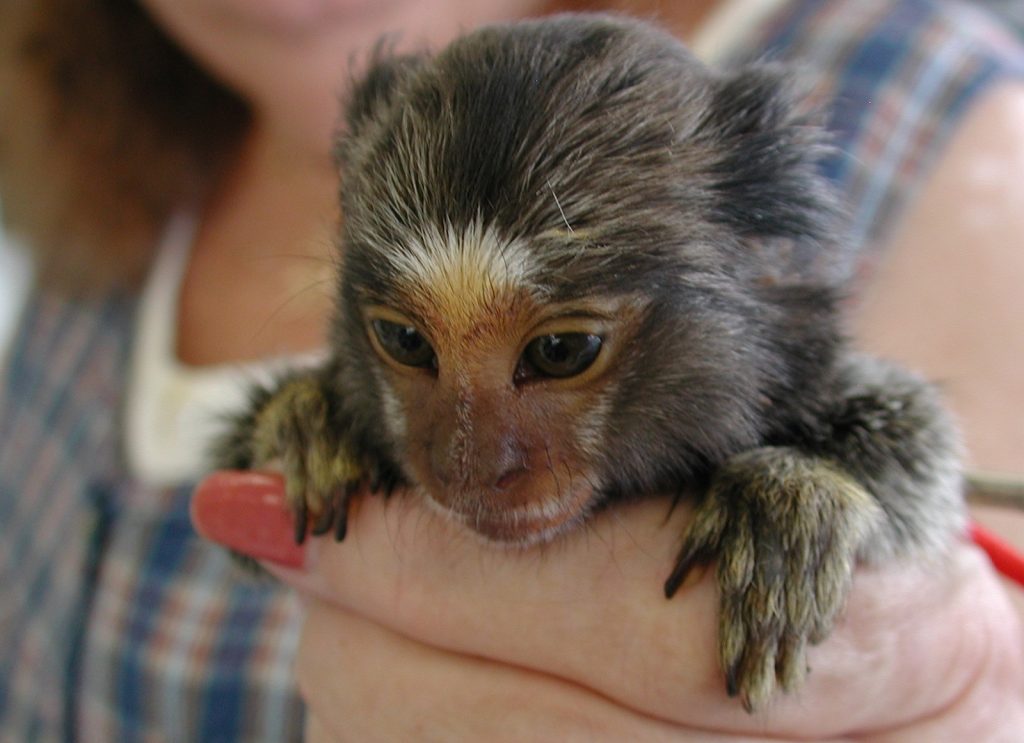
[246, 511]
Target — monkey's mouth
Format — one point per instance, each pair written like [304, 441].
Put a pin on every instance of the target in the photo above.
[523, 524]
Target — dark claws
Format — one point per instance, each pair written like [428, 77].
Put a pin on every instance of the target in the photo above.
[341, 522]
[687, 560]
[323, 522]
[731, 683]
[383, 478]
[676, 579]
[341, 512]
[375, 479]
[301, 516]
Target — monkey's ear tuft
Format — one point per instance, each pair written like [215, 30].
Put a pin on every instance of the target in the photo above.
[374, 92]
[766, 178]
[753, 99]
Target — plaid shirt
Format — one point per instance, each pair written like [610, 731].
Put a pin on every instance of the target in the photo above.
[895, 78]
[119, 624]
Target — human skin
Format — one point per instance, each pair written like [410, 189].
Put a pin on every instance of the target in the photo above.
[416, 629]
[262, 259]
[251, 292]
[947, 298]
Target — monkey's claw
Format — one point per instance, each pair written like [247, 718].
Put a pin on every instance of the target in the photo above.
[785, 528]
[295, 427]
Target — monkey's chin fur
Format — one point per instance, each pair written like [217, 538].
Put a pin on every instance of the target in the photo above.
[519, 525]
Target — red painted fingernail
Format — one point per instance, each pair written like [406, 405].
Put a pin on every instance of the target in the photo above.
[247, 512]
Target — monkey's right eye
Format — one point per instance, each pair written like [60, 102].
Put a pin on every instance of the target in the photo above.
[404, 344]
[559, 356]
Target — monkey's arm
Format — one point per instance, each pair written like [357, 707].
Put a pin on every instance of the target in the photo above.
[889, 430]
[299, 424]
[874, 475]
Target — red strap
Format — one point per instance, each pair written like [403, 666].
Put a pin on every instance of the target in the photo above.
[1007, 560]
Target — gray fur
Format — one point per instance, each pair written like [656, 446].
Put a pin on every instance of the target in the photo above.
[624, 167]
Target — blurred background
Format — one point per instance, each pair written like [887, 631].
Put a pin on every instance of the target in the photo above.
[14, 282]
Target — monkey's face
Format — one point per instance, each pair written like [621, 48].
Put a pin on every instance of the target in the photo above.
[561, 248]
[497, 398]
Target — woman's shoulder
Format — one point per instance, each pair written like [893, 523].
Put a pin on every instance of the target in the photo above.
[896, 79]
[853, 33]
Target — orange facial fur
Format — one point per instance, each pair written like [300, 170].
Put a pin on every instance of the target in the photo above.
[504, 454]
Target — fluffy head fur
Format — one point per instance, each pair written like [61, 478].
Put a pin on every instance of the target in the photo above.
[579, 266]
[580, 170]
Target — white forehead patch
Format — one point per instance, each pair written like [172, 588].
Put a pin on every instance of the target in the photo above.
[461, 272]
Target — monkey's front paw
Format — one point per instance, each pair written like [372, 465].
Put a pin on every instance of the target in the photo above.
[296, 428]
[785, 528]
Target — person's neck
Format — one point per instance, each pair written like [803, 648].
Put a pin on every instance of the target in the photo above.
[688, 17]
[683, 19]
[256, 280]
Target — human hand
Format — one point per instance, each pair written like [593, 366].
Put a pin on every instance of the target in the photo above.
[416, 629]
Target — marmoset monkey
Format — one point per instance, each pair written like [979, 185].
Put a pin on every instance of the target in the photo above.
[578, 266]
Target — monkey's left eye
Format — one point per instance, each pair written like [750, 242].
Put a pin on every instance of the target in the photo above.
[404, 344]
[561, 356]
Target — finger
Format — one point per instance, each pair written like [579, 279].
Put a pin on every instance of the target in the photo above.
[592, 593]
[247, 512]
[908, 645]
[943, 646]
[554, 609]
[364, 683]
